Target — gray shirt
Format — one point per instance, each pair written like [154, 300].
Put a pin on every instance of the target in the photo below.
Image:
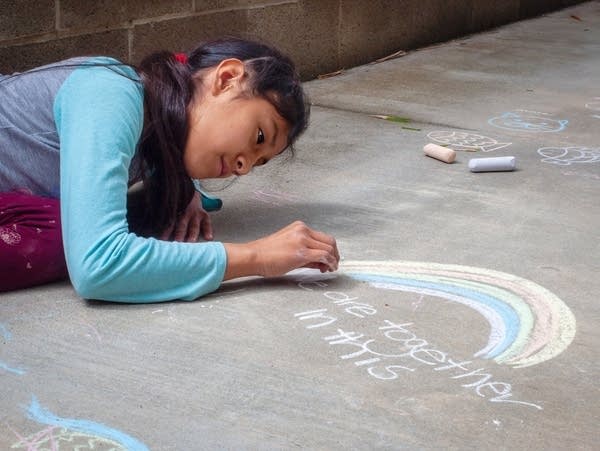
[29, 143]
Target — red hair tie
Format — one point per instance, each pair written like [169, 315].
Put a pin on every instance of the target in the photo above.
[181, 57]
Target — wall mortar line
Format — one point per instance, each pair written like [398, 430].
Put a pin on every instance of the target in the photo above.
[57, 15]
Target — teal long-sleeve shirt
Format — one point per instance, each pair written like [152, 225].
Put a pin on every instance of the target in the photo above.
[98, 116]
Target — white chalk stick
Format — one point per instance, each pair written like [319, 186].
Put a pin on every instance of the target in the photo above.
[439, 153]
[493, 164]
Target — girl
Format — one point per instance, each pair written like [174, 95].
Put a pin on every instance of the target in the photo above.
[78, 134]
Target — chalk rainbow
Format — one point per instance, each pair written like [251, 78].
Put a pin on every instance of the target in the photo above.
[528, 323]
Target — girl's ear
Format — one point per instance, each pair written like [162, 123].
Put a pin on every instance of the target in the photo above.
[229, 74]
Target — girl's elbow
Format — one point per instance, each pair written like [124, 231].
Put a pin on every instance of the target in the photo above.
[86, 281]
[86, 286]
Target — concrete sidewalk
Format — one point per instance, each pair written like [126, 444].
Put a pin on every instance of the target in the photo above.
[465, 314]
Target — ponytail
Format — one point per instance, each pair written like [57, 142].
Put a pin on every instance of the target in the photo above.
[167, 189]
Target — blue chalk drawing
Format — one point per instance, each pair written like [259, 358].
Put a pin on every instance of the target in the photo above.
[5, 333]
[526, 121]
[508, 315]
[7, 336]
[10, 369]
[82, 429]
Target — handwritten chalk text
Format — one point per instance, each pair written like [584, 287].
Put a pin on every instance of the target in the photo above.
[395, 348]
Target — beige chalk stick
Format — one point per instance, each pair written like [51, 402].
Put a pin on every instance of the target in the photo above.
[440, 153]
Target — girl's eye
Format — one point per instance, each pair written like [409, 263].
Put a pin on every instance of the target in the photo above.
[261, 162]
[260, 138]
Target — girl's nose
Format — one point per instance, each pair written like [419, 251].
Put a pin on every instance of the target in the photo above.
[242, 165]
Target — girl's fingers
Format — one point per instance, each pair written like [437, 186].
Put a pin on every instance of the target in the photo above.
[294, 246]
[207, 230]
[181, 229]
[318, 248]
[166, 235]
[188, 229]
[320, 266]
[320, 236]
[320, 259]
[193, 229]
[326, 243]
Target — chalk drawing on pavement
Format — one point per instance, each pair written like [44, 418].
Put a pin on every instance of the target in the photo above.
[66, 433]
[5, 333]
[588, 175]
[55, 438]
[594, 105]
[6, 337]
[565, 156]
[528, 323]
[528, 121]
[466, 141]
[11, 369]
[273, 197]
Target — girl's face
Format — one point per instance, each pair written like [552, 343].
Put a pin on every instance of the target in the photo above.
[229, 133]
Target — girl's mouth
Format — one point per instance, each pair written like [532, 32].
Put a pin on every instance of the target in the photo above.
[224, 168]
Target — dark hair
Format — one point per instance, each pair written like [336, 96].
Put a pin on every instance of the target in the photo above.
[168, 89]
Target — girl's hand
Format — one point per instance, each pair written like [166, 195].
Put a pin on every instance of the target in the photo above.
[189, 225]
[294, 246]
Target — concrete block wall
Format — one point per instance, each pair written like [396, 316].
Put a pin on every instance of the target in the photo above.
[321, 35]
